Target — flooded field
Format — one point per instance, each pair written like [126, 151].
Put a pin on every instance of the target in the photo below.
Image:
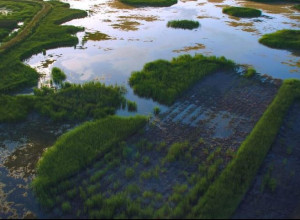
[21, 145]
[139, 35]
[126, 39]
[214, 128]
[275, 192]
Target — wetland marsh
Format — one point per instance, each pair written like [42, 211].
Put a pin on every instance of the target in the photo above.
[192, 141]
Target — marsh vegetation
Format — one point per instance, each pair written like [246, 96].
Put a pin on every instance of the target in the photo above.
[164, 81]
[190, 161]
[77, 149]
[283, 39]
[49, 34]
[71, 102]
[242, 12]
[183, 24]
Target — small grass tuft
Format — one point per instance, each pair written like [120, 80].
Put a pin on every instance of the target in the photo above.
[183, 24]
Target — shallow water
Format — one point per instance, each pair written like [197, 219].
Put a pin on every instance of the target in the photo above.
[140, 35]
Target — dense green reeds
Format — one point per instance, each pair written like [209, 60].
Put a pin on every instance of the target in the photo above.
[225, 194]
[48, 34]
[21, 11]
[164, 81]
[58, 75]
[283, 39]
[71, 102]
[242, 12]
[183, 24]
[15, 108]
[153, 3]
[78, 148]
[297, 7]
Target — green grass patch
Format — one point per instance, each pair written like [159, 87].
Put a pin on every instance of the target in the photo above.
[20, 11]
[283, 39]
[156, 110]
[225, 194]
[164, 81]
[153, 3]
[15, 108]
[78, 148]
[47, 34]
[251, 72]
[183, 24]
[129, 173]
[132, 106]
[72, 102]
[176, 151]
[297, 7]
[58, 75]
[242, 12]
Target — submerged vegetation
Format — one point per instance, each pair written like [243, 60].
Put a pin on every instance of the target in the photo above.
[78, 148]
[48, 34]
[97, 36]
[155, 3]
[164, 81]
[71, 102]
[224, 196]
[183, 24]
[242, 12]
[283, 39]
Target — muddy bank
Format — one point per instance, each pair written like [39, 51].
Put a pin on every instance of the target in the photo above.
[21, 145]
[275, 192]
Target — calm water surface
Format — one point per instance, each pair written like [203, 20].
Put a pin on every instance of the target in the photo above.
[140, 35]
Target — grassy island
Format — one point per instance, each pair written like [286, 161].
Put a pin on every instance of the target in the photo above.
[242, 12]
[58, 75]
[164, 81]
[283, 39]
[183, 24]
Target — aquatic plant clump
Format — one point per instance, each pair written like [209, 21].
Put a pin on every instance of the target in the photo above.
[242, 12]
[297, 7]
[226, 193]
[164, 81]
[72, 102]
[78, 148]
[183, 24]
[154, 3]
[251, 72]
[283, 39]
[58, 75]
